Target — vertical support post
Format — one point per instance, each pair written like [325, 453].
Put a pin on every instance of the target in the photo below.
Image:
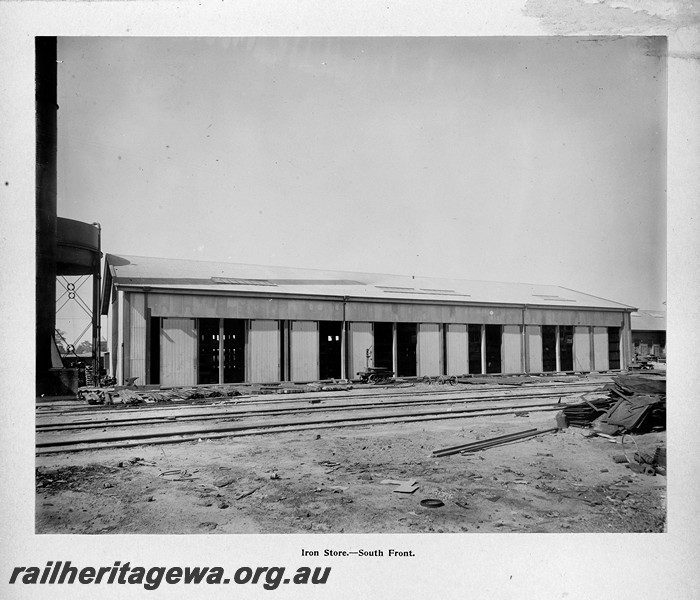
[118, 326]
[95, 329]
[469, 362]
[442, 329]
[96, 308]
[557, 346]
[503, 350]
[524, 348]
[394, 350]
[288, 350]
[246, 349]
[149, 333]
[343, 352]
[483, 349]
[221, 350]
[343, 345]
[283, 350]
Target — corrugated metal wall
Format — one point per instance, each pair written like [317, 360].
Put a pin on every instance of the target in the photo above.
[137, 337]
[456, 359]
[263, 359]
[178, 352]
[582, 349]
[429, 350]
[554, 316]
[263, 314]
[437, 313]
[304, 353]
[360, 337]
[231, 307]
[534, 348]
[600, 349]
[511, 349]
[227, 307]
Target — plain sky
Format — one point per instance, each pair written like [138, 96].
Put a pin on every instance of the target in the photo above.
[538, 160]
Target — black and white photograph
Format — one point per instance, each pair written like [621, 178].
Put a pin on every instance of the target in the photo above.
[474, 388]
[313, 310]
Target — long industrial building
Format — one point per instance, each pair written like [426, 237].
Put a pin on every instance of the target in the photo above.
[181, 322]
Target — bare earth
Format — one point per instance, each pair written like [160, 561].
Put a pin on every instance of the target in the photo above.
[330, 481]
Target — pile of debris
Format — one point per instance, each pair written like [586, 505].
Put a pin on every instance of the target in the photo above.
[648, 464]
[635, 403]
[130, 395]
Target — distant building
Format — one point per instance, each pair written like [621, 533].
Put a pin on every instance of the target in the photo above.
[649, 333]
[179, 322]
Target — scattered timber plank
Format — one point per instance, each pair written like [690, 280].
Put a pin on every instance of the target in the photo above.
[247, 494]
[406, 488]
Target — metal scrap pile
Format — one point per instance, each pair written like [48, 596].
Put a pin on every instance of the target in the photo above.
[636, 403]
[584, 413]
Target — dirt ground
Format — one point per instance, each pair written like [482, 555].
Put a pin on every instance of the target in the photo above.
[330, 480]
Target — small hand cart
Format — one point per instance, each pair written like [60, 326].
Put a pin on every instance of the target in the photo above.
[376, 375]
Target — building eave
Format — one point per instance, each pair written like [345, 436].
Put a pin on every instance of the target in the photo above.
[369, 299]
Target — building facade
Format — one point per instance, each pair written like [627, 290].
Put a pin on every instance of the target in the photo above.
[649, 333]
[177, 322]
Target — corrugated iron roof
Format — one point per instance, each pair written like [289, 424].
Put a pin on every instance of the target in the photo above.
[649, 320]
[201, 276]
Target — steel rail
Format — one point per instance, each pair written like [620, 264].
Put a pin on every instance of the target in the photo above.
[359, 417]
[142, 411]
[491, 442]
[175, 438]
[238, 425]
[476, 442]
[233, 413]
[43, 409]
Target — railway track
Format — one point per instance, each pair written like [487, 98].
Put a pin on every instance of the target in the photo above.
[159, 425]
[371, 392]
[234, 412]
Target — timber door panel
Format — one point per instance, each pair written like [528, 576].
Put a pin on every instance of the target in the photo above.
[304, 351]
[263, 351]
[178, 352]
[534, 345]
[457, 350]
[512, 349]
[582, 349]
[600, 349]
[137, 337]
[360, 338]
[429, 350]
